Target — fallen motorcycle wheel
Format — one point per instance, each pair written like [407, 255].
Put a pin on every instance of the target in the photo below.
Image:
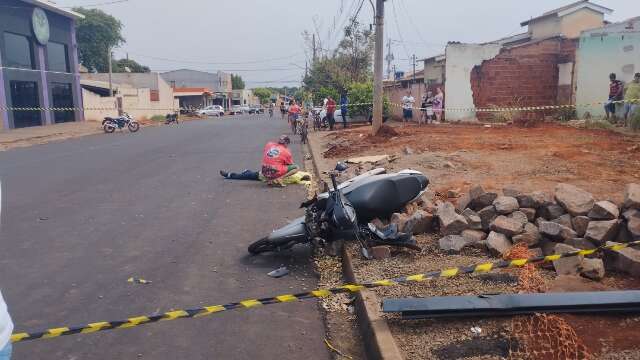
[109, 128]
[261, 246]
[133, 127]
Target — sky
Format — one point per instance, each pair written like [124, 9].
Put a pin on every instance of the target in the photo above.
[262, 40]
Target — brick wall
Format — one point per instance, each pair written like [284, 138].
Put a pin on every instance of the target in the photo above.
[522, 76]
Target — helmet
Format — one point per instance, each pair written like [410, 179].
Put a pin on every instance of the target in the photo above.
[284, 139]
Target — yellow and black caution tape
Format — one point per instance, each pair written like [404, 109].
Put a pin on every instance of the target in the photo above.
[523, 108]
[320, 293]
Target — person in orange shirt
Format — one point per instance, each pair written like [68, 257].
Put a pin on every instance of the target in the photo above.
[331, 109]
[277, 164]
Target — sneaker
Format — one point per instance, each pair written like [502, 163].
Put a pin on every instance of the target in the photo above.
[224, 174]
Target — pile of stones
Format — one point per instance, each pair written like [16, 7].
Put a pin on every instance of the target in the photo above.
[568, 220]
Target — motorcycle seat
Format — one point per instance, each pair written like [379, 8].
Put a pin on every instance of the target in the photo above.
[383, 195]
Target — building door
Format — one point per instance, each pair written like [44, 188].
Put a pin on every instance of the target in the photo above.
[62, 97]
[24, 94]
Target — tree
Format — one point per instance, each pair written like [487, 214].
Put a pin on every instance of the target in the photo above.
[236, 82]
[122, 65]
[97, 34]
[263, 94]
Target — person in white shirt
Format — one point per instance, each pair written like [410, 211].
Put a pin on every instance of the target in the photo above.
[407, 107]
[6, 328]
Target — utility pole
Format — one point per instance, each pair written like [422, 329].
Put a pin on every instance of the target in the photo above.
[389, 59]
[413, 81]
[378, 68]
[110, 73]
[314, 48]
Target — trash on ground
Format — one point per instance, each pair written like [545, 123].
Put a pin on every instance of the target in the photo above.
[137, 280]
[280, 272]
[367, 159]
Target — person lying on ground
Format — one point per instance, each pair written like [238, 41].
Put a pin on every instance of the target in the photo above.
[277, 163]
[300, 177]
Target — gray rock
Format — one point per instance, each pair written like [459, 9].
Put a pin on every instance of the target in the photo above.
[624, 235]
[632, 196]
[473, 219]
[483, 200]
[451, 223]
[564, 220]
[592, 269]
[540, 198]
[633, 224]
[400, 219]
[453, 193]
[551, 211]
[454, 243]
[498, 244]
[549, 247]
[625, 260]
[536, 252]
[427, 205]
[571, 265]
[463, 202]
[539, 221]
[519, 216]
[530, 213]
[555, 231]
[474, 235]
[487, 215]
[599, 232]
[580, 224]
[580, 243]
[505, 205]
[507, 226]
[511, 191]
[526, 201]
[604, 210]
[530, 236]
[419, 223]
[575, 200]
[381, 252]
[475, 192]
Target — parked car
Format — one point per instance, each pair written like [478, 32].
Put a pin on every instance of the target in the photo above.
[212, 110]
[245, 108]
[236, 110]
[256, 109]
[337, 115]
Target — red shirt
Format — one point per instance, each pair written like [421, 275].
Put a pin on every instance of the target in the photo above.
[275, 160]
[294, 109]
[615, 90]
[331, 106]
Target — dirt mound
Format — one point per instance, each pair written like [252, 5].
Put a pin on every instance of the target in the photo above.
[387, 132]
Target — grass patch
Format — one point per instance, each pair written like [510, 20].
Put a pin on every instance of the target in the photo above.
[598, 124]
[158, 118]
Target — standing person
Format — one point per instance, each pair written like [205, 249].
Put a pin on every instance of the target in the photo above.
[294, 114]
[6, 328]
[331, 109]
[344, 102]
[438, 104]
[283, 110]
[616, 89]
[407, 107]
[631, 98]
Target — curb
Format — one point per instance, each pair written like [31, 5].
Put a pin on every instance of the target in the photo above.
[379, 344]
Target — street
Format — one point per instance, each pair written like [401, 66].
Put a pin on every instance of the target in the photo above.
[82, 216]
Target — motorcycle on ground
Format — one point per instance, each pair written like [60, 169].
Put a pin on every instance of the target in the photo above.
[110, 124]
[345, 212]
[171, 119]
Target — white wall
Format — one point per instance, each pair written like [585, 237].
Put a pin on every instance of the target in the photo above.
[613, 49]
[461, 59]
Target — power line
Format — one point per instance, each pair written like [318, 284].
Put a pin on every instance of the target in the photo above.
[395, 18]
[93, 5]
[214, 63]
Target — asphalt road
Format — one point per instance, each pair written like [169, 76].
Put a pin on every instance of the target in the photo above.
[82, 216]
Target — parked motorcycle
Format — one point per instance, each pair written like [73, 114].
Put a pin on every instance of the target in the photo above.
[171, 118]
[345, 212]
[110, 124]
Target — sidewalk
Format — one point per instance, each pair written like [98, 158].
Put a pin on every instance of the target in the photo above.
[15, 138]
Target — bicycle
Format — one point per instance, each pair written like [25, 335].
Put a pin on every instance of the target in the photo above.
[303, 129]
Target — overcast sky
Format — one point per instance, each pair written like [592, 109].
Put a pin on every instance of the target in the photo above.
[262, 41]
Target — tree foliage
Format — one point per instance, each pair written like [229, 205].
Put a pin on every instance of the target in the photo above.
[362, 93]
[350, 63]
[236, 82]
[263, 94]
[97, 34]
[120, 66]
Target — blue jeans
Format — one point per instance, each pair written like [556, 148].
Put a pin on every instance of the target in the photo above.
[630, 109]
[5, 353]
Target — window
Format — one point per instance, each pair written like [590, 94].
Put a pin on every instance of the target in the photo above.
[57, 57]
[18, 51]
[24, 94]
[62, 97]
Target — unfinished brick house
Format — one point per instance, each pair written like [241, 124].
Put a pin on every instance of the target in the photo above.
[529, 69]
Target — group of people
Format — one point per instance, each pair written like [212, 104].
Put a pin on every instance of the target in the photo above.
[628, 95]
[431, 107]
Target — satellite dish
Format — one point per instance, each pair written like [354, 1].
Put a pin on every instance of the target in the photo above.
[126, 69]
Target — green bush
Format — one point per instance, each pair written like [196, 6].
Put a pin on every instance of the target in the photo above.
[158, 118]
[362, 93]
[325, 92]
